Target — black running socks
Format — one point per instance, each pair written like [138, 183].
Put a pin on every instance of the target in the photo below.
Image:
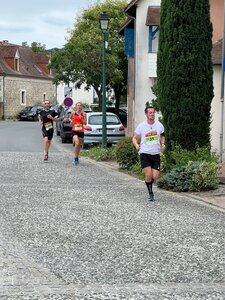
[149, 185]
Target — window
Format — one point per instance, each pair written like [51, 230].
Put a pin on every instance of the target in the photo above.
[17, 61]
[17, 65]
[44, 97]
[23, 97]
[97, 119]
[153, 39]
[153, 21]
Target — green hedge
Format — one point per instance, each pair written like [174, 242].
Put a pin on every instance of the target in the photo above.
[195, 176]
[126, 154]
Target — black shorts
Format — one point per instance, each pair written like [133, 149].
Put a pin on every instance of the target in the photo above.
[148, 160]
[48, 133]
[80, 134]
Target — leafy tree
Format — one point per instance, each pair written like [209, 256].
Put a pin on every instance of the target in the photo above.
[38, 47]
[81, 59]
[35, 47]
[25, 44]
[184, 79]
[60, 62]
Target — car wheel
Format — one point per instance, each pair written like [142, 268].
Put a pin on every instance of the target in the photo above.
[84, 146]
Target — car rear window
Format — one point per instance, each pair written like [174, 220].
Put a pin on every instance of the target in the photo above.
[97, 120]
[67, 114]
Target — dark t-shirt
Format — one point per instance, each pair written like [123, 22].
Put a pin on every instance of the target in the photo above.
[47, 123]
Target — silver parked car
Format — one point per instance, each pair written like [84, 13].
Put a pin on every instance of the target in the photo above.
[115, 130]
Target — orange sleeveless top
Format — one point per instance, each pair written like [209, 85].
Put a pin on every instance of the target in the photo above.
[77, 123]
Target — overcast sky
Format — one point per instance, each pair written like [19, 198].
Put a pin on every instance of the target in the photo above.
[43, 21]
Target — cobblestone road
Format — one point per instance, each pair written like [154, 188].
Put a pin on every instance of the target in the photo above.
[89, 233]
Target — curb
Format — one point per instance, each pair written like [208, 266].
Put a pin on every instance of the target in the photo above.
[214, 198]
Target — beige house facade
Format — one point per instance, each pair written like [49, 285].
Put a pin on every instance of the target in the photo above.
[144, 20]
[25, 79]
[141, 45]
[78, 95]
[217, 107]
[217, 15]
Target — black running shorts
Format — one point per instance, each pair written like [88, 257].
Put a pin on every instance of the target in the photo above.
[80, 134]
[47, 133]
[148, 160]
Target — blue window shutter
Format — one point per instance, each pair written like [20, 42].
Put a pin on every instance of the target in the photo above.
[152, 36]
[129, 42]
[150, 39]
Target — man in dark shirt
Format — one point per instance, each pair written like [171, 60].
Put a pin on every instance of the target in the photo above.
[46, 118]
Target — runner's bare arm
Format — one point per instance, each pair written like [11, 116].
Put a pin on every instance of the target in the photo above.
[162, 143]
[39, 119]
[135, 141]
[84, 119]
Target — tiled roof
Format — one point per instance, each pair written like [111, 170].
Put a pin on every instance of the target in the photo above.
[132, 2]
[153, 16]
[217, 52]
[31, 64]
[130, 9]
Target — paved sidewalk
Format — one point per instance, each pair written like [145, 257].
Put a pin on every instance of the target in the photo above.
[214, 197]
[89, 233]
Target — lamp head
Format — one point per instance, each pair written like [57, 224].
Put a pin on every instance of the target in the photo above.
[104, 21]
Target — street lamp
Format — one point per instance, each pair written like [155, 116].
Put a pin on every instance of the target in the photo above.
[3, 95]
[104, 21]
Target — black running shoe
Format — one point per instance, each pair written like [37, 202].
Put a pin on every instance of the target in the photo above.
[151, 197]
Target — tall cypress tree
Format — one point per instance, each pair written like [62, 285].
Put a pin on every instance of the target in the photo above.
[184, 72]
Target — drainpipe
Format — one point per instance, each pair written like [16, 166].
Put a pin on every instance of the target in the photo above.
[222, 91]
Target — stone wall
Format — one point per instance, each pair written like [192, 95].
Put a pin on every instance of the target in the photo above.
[33, 89]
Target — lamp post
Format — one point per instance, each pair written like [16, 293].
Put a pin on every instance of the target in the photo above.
[222, 88]
[3, 95]
[104, 21]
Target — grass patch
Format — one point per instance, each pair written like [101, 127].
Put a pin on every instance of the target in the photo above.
[99, 153]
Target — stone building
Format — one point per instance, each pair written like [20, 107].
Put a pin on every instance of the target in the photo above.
[25, 79]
